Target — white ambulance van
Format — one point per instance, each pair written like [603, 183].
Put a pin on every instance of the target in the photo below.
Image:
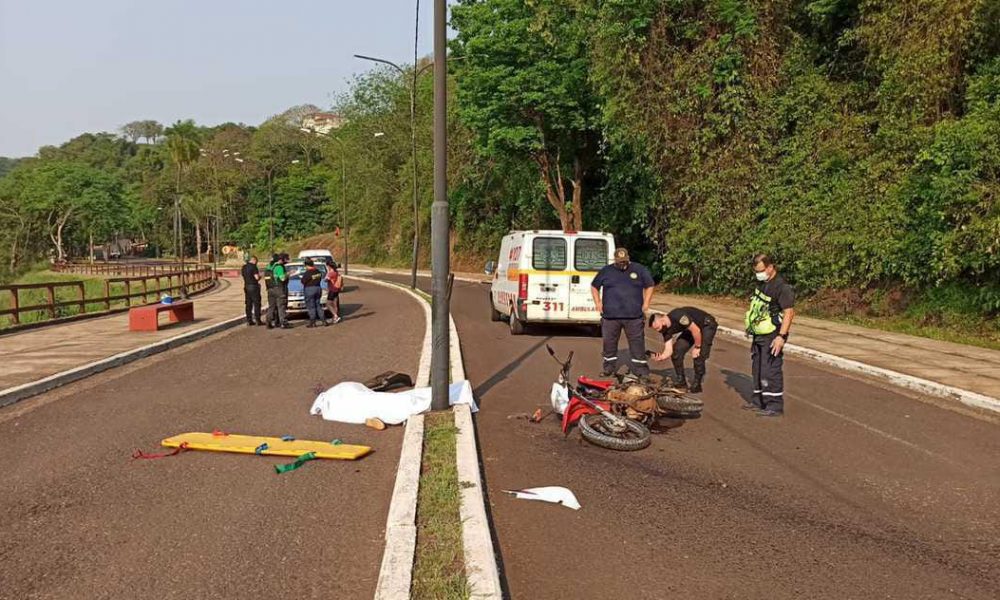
[545, 277]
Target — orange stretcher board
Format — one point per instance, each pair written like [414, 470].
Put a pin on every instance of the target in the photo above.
[248, 444]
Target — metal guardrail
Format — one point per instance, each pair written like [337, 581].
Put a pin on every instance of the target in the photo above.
[137, 286]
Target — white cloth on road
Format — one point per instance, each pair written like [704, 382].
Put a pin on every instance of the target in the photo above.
[351, 402]
[551, 493]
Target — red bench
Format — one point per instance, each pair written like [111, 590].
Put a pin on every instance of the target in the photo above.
[146, 318]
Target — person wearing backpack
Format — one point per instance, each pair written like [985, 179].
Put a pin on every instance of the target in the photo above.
[276, 280]
[335, 284]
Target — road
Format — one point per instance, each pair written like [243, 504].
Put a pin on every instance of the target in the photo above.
[80, 519]
[859, 491]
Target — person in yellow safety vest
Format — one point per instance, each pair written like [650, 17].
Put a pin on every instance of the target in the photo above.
[767, 322]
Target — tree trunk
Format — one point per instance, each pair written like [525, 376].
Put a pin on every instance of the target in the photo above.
[59, 241]
[577, 183]
[555, 192]
[91, 246]
[197, 237]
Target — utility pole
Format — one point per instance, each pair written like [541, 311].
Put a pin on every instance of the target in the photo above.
[440, 267]
[413, 145]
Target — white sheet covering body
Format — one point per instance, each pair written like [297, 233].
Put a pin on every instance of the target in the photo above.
[351, 402]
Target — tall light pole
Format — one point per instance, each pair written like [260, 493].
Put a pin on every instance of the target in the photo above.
[413, 151]
[343, 183]
[440, 261]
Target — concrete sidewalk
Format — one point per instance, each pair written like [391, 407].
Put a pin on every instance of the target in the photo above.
[965, 368]
[34, 354]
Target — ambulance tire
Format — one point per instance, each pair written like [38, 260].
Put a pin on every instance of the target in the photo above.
[494, 313]
[517, 326]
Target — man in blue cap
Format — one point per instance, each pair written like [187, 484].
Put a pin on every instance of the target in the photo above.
[622, 291]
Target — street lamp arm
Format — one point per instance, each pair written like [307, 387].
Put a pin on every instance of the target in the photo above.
[381, 60]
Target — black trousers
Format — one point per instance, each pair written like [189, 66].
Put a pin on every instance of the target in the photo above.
[684, 342]
[635, 333]
[251, 296]
[768, 378]
[277, 303]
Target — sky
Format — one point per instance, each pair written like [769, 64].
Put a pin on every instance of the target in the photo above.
[72, 66]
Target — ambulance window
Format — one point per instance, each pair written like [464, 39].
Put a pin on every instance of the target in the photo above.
[590, 255]
[548, 254]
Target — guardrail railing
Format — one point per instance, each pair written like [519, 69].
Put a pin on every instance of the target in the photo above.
[54, 304]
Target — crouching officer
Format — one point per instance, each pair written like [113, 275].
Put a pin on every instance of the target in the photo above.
[767, 323]
[622, 292]
[696, 329]
[275, 279]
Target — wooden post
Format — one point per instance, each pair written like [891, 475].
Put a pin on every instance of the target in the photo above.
[14, 305]
[128, 292]
[83, 297]
[107, 295]
[145, 291]
[50, 289]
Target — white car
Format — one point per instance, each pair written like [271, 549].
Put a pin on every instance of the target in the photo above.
[545, 276]
[296, 293]
[319, 256]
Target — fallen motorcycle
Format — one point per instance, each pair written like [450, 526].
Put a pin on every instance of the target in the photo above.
[602, 422]
[608, 411]
[645, 401]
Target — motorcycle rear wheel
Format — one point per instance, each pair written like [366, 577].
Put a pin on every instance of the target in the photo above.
[601, 431]
[682, 407]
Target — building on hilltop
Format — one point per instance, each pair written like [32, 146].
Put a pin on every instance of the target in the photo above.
[322, 122]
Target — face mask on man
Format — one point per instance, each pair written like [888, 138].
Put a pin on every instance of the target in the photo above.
[761, 275]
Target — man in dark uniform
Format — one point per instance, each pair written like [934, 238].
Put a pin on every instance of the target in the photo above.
[696, 329]
[276, 280]
[767, 323]
[251, 290]
[622, 291]
[312, 280]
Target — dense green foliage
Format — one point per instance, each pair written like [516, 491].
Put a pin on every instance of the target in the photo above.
[856, 140]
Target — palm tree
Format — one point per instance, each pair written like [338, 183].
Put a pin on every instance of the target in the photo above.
[183, 142]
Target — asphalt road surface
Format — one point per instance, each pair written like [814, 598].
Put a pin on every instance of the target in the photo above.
[80, 519]
[859, 491]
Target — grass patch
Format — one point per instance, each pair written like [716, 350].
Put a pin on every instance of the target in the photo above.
[439, 567]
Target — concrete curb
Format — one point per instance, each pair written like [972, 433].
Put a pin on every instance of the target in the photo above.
[924, 386]
[16, 394]
[396, 571]
[481, 570]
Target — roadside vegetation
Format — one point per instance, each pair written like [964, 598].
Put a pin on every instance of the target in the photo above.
[439, 566]
[857, 141]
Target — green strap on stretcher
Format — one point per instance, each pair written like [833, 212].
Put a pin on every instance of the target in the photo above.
[301, 460]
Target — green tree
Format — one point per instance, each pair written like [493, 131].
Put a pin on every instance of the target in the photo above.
[523, 88]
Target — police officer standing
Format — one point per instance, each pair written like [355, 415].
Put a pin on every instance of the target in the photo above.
[696, 329]
[622, 292]
[767, 323]
[251, 290]
[276, 280]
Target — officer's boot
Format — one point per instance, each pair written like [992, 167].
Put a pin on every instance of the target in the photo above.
[699, 374]
[680, 380]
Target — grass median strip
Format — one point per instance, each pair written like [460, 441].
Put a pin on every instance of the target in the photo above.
[439, 568]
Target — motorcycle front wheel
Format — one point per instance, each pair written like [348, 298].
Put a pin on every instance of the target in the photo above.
[601, 431]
